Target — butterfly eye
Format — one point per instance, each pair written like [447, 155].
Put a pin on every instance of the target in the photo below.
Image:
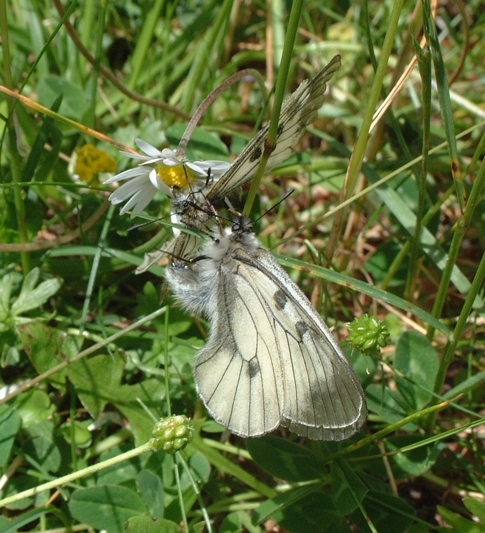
[185, 204]
[242, 225]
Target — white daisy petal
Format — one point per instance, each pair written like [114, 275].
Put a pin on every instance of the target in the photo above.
[168, 153]
[133, 201]
[138, 202]
[131, 188]
[148, 149]
[151, 162]
[171, 162]
[217, 168]
[202, 173]
[131, 155]
[130, 173]
[158, 183]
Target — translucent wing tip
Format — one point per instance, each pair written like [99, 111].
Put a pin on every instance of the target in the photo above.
[328, 433]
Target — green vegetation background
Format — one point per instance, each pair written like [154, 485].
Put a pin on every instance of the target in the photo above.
[406, 246]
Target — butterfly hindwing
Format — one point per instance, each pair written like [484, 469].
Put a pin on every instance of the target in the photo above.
[238, 373]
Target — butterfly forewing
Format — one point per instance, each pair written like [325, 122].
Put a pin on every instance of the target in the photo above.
[323, 397]
[298, 111]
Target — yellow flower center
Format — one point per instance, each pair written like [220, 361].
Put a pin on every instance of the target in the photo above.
[178, 176]
[90, 161]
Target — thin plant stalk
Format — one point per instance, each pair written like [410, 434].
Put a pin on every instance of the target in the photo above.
[461, 227]
[293, 25]
[424, 62]
[358, 153]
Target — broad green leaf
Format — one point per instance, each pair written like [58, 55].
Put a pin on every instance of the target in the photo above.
[388, 404]
[21, 483]
[47, 347]
[34, 406]
[106, 507]
[476, 507]
[235, 522]
[74, 102]
[6, 286]
[30, 281]
[285, 460]
[414, 462]
[458, 523]
[200, 527]
[147, 524]
[77, 432]
[124, 473]
[42, 447]
[347, 488]
[417, 361]
[161, 464]
[96, 380]
[129, 399]
[35, 297]
[225, 465]
[200, 471]
[150, 489]
[387, 512]
[22, 520]
[10, 422]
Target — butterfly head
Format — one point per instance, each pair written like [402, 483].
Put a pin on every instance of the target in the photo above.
[242, 225]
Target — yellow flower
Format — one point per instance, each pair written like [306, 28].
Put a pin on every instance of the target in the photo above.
[91, 161]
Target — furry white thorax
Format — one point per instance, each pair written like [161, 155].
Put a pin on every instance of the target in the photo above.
[194, 283]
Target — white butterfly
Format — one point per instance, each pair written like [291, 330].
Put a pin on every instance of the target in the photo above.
[269, 360]
[195, 208]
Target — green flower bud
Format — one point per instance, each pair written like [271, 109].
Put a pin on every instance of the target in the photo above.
[368, 334]
[172, 433]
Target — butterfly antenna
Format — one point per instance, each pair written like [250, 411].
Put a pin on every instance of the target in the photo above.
[143, 224]
[280, 201]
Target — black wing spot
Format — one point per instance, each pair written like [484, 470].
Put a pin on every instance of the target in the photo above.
[280, 299]
[301, 328]
[256, 154]
[253, 367]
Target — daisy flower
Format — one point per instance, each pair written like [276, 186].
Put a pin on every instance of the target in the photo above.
[159, 171]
